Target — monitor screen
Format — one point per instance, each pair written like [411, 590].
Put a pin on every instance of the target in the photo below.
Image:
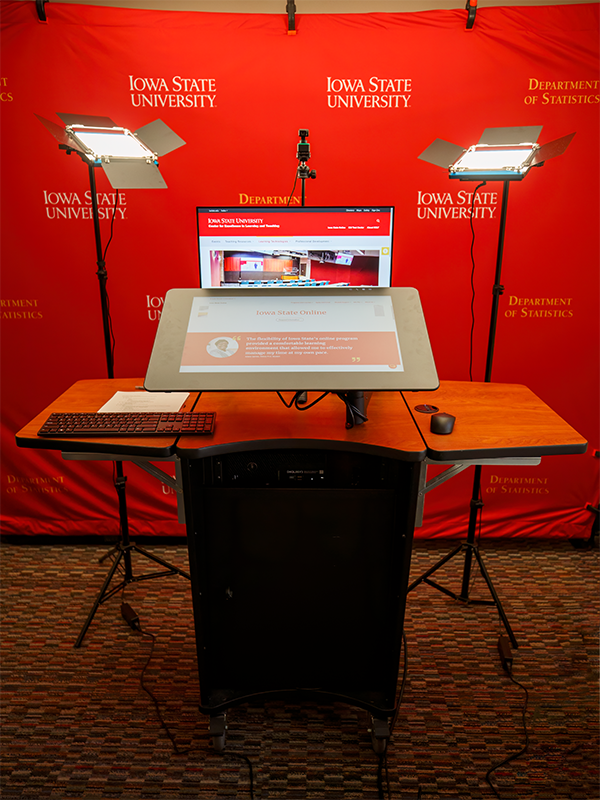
[274, 339]
[294, 247]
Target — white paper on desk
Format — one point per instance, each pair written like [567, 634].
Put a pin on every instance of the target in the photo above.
[145, 401]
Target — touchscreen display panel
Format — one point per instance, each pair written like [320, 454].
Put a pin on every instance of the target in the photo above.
[338, 339]
[252, 333]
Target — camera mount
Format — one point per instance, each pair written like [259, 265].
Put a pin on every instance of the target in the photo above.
[303, 154]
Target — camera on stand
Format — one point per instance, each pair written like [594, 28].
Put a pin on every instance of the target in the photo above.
[304, 172]
[303, 154]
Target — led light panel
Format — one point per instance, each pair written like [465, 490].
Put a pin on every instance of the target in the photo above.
[485, 162]
[119, 143]
[484, 158]
[128, 159]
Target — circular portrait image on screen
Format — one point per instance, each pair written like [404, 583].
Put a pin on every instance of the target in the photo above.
[222, 347]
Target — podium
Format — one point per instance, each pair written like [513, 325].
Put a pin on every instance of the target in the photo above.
[299, 528]
[299, 547]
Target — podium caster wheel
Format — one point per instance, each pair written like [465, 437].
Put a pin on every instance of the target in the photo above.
[218, 730]
[218, 742]
[379, 745]
[380, 734]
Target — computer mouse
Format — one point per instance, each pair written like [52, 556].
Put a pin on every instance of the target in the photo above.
[442, 423]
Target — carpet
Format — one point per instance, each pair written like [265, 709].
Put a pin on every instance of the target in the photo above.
[76, 723]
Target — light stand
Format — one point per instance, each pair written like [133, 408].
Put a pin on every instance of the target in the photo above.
[128, 164]
[102, 275]
[505, 154]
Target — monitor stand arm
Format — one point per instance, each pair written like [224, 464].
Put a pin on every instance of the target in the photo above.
[356, 407]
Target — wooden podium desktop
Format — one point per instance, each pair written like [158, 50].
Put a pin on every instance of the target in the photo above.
[300, 530]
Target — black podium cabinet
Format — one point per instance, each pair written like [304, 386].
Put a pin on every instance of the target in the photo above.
[299, 561]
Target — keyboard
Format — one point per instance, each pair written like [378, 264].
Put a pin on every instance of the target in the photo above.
[129, 424]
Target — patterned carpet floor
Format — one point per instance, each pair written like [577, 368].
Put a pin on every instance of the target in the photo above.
[76, 723]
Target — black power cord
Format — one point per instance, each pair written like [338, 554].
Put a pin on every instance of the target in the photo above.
[293, 189]
[108, 314]
[506, 659]
[588, 744]
[296, 400]
[472, 281]
[381, 768]
[352, 411]
[250, 771]
[132, 619]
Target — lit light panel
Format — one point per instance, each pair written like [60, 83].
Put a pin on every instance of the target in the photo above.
[481, 158]
[117, 143]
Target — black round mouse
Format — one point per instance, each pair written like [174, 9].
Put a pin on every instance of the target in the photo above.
[442, 423]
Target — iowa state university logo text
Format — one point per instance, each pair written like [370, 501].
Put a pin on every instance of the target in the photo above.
[175, 92]
[373, 92]
[70, 205]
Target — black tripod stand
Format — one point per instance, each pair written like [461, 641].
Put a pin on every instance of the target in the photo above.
[304, 172]
[122, 551]
[469, 547]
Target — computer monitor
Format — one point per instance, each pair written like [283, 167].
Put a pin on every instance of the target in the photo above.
[295, 246]
[332, 339]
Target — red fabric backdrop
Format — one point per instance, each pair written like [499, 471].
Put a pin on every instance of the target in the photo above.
[374, 91]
